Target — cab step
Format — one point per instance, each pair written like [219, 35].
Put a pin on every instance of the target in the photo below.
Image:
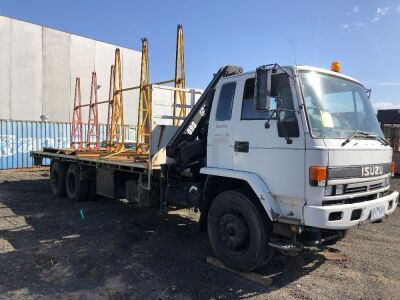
[285, 246]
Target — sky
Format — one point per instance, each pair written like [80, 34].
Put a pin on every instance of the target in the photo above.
[363, 35]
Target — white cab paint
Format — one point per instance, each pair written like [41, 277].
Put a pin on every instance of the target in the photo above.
[282, 169]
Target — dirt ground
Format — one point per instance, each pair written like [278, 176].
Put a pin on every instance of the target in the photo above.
[51, 248]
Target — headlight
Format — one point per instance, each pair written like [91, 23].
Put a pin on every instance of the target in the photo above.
[328, 190]
[339, 189]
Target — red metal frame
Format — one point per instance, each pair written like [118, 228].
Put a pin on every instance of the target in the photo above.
[76, 126]
[93, 139]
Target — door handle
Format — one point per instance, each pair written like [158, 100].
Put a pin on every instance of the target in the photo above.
[241, 147]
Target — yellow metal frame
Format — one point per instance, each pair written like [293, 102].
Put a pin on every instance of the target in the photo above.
[117, 132]
[179, 109]
[144, 115]
[93, 121]
[110, 107]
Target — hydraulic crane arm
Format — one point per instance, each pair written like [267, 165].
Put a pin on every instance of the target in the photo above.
[194, 123]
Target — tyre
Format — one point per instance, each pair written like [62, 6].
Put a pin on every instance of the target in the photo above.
[92, 195]
[77, 189]
[155, 195]
[58, 171]
[239, 232]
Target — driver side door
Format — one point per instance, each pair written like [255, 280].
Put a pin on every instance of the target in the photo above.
[265, 151]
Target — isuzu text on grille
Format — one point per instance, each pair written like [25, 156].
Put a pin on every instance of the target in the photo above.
[371, 170]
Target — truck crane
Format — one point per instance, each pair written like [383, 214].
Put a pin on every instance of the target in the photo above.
[277, 159]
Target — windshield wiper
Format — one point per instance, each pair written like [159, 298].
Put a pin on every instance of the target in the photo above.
[382, 140]
[360, 133]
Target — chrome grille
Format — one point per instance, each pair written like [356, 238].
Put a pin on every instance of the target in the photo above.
[358, 189]
[363, 187]
[376, 186]
[356, 192]
[350, 201]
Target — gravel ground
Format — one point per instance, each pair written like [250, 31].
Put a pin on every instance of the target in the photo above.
[49, 250]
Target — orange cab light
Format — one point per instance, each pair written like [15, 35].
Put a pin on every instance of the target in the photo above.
[318, 176]
[335, 66]
[393, 168]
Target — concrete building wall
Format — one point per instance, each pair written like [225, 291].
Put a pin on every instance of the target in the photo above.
[103, 61]
[39, 66]
[5, 63]
[82, 58]
[26, 70]
[131, 77]
[56, 76]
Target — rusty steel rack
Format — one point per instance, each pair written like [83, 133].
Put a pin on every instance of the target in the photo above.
[76, 126]
[157, 122]
[93, 122]
[115, 135]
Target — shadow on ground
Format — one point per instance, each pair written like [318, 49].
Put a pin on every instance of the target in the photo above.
[115, 250]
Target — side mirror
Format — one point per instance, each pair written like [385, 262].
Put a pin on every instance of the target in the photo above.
[368, 92]
[262, 89]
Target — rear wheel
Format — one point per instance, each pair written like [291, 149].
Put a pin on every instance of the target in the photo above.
[239, 232]
[58, 171]
[155, 195]
[77, 189]
[92, 195]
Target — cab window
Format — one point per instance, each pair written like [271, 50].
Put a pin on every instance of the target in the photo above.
[225, 102]
[248, 106]
[280, 88]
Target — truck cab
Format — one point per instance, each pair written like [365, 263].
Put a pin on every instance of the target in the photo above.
[320, 110]
[299, 148]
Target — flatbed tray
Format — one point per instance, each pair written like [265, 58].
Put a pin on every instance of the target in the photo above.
[126, 160]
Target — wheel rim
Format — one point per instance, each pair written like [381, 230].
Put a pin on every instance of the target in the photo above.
[234, 233]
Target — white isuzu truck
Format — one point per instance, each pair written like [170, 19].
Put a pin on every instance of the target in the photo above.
[275, 159]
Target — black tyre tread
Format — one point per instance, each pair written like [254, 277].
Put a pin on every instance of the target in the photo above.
[267, 226]
[92, 195]
[260, 226]
[81, 192]
[61, 170]
[155, 195]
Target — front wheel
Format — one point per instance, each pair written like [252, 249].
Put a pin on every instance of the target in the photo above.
[239, 232]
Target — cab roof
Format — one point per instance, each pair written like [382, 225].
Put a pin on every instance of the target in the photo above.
[308, 68]
[329, 72]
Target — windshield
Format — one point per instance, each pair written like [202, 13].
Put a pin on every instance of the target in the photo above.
[337, 107]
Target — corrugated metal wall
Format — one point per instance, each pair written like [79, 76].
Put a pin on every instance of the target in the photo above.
[18, 138]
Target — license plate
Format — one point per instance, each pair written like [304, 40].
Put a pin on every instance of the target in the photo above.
[377, 213]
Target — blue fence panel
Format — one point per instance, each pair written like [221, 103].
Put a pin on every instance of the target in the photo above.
[19, 138]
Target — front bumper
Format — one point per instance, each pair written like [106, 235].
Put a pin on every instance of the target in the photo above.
[318, 216]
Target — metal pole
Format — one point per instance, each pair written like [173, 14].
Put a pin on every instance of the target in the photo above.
[192, 98]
